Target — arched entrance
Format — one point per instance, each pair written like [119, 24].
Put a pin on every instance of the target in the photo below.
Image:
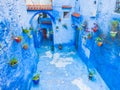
[42, 22]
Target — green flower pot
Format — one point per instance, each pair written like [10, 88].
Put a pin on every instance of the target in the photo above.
[113, 34]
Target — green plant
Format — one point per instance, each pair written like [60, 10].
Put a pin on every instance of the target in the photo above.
[13, 62]
[113, 34]
[60, 46]
[115, 24]
[65, 26]
[31, 28]
[89, 35]
[91, 75]
[36, 77]
[25, 46]
[57, 27]
[26, 31]
[98, 39]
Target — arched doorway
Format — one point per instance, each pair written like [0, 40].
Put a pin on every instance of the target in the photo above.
[42, 23]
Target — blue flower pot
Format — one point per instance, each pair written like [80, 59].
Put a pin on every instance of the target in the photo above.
[36, 81]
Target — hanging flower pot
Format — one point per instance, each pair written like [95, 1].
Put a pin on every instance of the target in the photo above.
[99, 41]
[25, 46]
[26, 31]
[52, 48]
[18, 39]
[13, 62]
[95, 29]
[59, 19]
[36, 79]
[89, 36]
[60, 47]
[91, 75]
[99, 44]
[64, 26]
[113, 34]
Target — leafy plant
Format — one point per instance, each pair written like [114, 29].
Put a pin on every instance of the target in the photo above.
[26, 31]
[60, 46]
[31, 28]
[13, 62]
[89, 35]
[57, 27]
[115, 24]
[65, 26]
[36, 77]
[25, 46]
[91, 75]
[113, 33]
[98, 39]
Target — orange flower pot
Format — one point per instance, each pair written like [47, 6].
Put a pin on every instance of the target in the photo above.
[99, 44]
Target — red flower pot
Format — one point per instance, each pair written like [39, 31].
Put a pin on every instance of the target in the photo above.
[95, 29]
[18, 39]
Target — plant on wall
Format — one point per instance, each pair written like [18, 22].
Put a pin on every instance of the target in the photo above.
[57, 27]
[13, 62]
[36, 79]
[91, 75]
[59, 19]
[25, 46]
[99, 41]
[52, 48]
[85, 25]
[18, 39]
[114, 25]
[89, 36]
[95, 28]
[60, 46]
[27, 31]
[64, 26]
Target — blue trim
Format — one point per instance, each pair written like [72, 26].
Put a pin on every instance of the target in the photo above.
[42, 12]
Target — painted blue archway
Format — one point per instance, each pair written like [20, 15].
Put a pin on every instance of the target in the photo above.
[52, 17]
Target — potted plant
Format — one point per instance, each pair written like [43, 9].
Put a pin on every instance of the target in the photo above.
[13, 62]
[95, 29]
[59, 19]
[91, 75]
[57, 27]
[18, 39]
[52, 48]
[25, 46]
[31, 28]
[64, 26]
[99, 41]
[30, 36]
[60, 47]
[113, 33]
[114, 24]
[26, 31]
[89, 36]
[36, 78]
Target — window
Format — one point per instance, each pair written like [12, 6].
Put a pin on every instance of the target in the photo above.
[66, 14]
[117, 9]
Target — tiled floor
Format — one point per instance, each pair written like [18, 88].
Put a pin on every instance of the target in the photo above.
[64, 70]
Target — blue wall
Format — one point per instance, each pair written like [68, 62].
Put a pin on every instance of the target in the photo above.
[106, 58]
